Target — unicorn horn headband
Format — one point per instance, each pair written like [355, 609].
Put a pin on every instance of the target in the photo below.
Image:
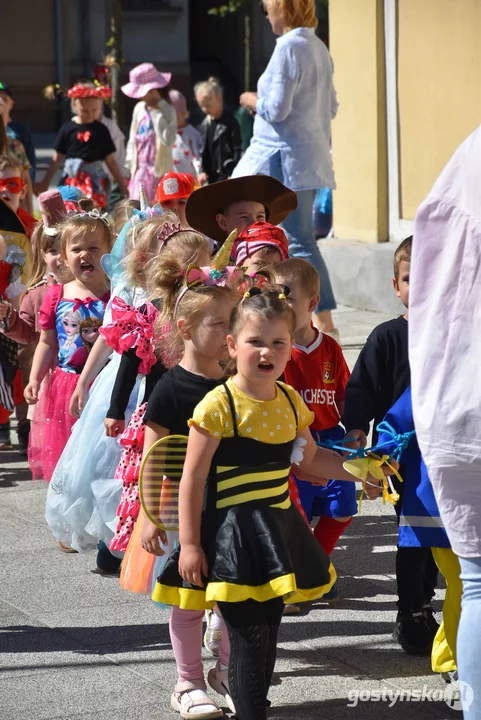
[144, 205]
[217, 274]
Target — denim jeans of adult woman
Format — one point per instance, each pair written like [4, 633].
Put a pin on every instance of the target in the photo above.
[299, 229]
[469, 645]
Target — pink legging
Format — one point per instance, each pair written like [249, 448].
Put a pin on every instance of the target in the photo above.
[186, 638]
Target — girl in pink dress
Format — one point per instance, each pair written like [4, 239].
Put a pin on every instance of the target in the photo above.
[84, 238]
[152, 131]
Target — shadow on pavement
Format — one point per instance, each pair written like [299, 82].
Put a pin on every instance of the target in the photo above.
[339, 710]
[111, 639]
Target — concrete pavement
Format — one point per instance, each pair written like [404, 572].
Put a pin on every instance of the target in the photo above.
[74, 646]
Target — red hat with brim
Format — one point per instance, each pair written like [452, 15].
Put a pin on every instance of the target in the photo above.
[204, 205]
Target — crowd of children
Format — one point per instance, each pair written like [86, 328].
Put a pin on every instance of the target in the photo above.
[181, 314]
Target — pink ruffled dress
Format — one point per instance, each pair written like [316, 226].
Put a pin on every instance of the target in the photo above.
[52, 423]
[131, 329]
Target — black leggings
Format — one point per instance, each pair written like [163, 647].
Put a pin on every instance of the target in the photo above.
[253, 628]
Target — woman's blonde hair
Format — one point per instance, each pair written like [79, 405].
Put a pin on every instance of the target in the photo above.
[191, 306]
[296, 13]
[211, 85]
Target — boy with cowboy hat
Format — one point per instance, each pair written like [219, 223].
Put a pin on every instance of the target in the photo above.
[217, 209]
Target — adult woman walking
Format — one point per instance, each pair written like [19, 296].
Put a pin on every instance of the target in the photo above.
[293, 106]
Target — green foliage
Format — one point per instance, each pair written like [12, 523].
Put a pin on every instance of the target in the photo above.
[230, 7]
[234, 5]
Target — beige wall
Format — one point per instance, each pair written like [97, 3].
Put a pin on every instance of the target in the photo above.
[359, 131]
[439, 88]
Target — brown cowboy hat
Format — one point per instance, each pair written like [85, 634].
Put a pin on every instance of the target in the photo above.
[204, 204]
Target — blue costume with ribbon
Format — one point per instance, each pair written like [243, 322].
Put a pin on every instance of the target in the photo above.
[419, 522]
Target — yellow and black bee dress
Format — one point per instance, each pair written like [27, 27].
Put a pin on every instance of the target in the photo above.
[256, 542]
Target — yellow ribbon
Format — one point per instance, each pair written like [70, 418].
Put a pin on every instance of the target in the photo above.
[372, 465]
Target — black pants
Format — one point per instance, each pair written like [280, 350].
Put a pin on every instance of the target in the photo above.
[416, 571]
[253, 629]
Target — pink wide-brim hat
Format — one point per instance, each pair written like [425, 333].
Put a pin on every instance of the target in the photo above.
[143, 78]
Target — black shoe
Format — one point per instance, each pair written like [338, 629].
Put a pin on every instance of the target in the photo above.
[106, 573]
[412, 632]
[433, 624]
[107, 564]
[5, 441]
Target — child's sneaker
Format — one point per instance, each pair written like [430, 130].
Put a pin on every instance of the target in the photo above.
[213, 633]
[218, 679]
[412, 632]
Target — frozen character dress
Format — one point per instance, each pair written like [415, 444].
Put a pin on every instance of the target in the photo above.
[256, 542]
[53, 423]
[83, 497]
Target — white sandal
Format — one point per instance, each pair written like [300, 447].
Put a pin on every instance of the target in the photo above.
[218, 680]
[186, 697]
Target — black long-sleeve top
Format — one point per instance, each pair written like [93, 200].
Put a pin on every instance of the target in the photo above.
[125, 382]
[127, 376]
[379, 378]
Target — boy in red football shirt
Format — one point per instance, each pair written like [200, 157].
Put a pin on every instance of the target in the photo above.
[318, 371]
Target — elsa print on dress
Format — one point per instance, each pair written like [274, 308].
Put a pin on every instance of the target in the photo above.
[71, 326]
[88, 333]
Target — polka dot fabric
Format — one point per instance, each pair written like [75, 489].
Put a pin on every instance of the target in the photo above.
[132, 329]
[268, 421]
[128, 470]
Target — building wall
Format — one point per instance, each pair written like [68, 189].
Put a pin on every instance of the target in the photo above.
[438, 103]
[359, 130]
[439, 89]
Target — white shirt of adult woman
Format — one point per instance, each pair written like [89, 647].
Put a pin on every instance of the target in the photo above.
[294, 106]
